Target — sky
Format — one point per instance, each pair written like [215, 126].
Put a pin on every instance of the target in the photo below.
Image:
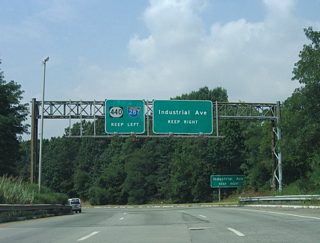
[153, 49]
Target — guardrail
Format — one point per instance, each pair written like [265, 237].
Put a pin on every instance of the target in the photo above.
[280, 199]
[12, 212]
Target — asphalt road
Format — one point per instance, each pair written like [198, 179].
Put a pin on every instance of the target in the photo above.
[169, 225]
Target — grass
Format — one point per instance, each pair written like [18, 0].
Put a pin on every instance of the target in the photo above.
[15, 191]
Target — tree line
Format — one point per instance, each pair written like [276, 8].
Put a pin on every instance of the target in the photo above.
[141, 170]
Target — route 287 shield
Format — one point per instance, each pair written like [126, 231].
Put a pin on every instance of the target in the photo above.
[134, 111]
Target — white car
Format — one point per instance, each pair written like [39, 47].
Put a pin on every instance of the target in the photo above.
[75, 203]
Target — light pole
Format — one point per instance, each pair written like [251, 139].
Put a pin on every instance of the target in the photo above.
[44, 62]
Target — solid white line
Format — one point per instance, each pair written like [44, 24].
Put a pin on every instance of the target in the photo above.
[88, 236]
[282, 206]
[238, 233]
[285, 214]
[202, 216]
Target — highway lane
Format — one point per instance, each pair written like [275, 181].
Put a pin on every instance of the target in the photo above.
[170, 225]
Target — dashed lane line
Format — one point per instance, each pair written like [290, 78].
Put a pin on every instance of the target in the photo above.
[88, 236]
[238, 233]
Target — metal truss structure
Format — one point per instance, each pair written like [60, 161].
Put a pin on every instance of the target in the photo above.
[94, 110]
[248, 111]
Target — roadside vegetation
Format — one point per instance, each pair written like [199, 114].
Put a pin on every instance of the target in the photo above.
[15, 191]
[171, 170]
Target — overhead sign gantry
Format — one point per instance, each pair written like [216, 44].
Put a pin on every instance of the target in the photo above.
[159, 119]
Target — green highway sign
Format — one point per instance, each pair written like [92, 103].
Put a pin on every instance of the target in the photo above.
[124, 116]
[226, 181]
[182, 117]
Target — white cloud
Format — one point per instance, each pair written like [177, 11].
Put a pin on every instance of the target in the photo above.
[34, 26]
[58, 11]
[142, 50]
[252, 60]
[280, 8]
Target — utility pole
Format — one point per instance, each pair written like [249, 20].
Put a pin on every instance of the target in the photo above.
[42, 112]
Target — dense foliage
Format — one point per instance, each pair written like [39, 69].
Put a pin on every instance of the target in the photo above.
[301, 119]
[12, 115]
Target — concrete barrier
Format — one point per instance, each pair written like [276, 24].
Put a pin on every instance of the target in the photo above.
[14, 212]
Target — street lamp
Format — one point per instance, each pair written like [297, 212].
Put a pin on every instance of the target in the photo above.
[44, 62]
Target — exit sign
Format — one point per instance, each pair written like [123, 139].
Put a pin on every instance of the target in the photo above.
[124, 116]
[226, 181]
[182, 117]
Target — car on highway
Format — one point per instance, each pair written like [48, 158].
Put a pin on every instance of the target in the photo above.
[75, 203]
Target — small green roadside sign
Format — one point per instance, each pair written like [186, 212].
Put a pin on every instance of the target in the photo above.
[124, 116]
[226, 181]
[182, 117]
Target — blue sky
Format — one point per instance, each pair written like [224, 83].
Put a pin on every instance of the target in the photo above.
[154, 49]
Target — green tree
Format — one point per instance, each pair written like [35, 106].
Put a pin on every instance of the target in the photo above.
[191, 166]
[59, 164]
[307, 72]
[137, 167]
[159, 152]
[12, 116]
[113, 172]
[217, 94]
[301, 117]
[258, 161]
[233, 148]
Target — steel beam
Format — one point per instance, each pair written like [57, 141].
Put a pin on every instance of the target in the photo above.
[34, 138]
[95, 109]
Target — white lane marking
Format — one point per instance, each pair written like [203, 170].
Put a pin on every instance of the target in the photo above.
[122, 218]
[285, 214]
[282, 206]
[200, 228]
[238, 233]
[88, 236]
[202, 216]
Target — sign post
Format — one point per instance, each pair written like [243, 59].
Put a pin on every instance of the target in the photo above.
[182, 117]
[226, 181]
[124, 116]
